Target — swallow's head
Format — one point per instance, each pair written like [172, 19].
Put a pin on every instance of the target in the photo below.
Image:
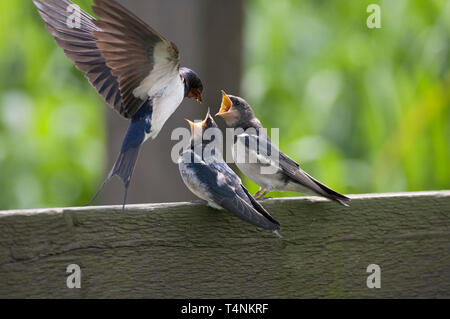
[198, 129]
[193, 87]
[235, 111]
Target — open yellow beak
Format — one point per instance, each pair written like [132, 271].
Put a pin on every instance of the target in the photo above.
[226, 104]
[191, 124]
[196, 126]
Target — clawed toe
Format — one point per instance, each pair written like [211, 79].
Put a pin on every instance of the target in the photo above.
[261, 195]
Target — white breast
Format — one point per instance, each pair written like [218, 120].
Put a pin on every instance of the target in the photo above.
[165, 102]
[193, 183]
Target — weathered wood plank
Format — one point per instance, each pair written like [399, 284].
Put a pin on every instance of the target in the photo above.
[186, 250]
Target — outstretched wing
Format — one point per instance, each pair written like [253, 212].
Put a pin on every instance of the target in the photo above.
[79, 45]
[141, 59]
[115, 60]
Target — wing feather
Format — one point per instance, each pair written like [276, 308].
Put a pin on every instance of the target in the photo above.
[117, 52]
[286, 166]
[122, 34]
[79, 45]
[231, 195]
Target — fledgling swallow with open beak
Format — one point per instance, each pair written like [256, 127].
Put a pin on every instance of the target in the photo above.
[205, 174]
[134, 68]
[286, 173]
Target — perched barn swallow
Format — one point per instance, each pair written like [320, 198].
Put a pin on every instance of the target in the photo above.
[205, 173]
[135, 69]
[286, 174]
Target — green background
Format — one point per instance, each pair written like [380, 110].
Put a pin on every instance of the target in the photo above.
[367, 110]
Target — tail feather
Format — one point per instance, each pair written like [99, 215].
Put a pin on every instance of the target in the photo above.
[125, 163]
[123, 167]
[331, 194]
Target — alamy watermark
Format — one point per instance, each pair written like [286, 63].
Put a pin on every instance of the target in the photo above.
[374, 279]
[374, 19]
[74, 20]
[74, 278]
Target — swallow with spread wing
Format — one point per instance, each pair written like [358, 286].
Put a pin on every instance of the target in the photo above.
[205, 173]
[135, 69]
[285, 174]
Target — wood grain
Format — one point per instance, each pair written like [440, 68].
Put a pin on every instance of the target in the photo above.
[182, 250]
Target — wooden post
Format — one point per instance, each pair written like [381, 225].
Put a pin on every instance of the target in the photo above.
[182, 250]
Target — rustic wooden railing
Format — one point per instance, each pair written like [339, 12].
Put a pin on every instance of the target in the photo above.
[184, 250]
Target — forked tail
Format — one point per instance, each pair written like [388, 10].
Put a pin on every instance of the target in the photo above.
[329, 193]
[123, 167]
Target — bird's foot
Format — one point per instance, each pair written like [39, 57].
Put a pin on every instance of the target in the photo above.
[258, 194]
[262, 196]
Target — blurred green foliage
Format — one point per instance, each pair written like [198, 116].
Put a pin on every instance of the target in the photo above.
[363, 110]
[52, 140]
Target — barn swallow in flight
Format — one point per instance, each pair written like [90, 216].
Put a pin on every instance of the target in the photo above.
[205, 173]
[135, 69]
[286, 174]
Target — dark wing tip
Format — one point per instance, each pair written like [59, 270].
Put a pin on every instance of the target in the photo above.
[79, 45]
[260, 209]
[343, 200]
[335, 196]
[237, 206]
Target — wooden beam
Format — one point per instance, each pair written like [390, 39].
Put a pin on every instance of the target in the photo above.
[190, 251]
